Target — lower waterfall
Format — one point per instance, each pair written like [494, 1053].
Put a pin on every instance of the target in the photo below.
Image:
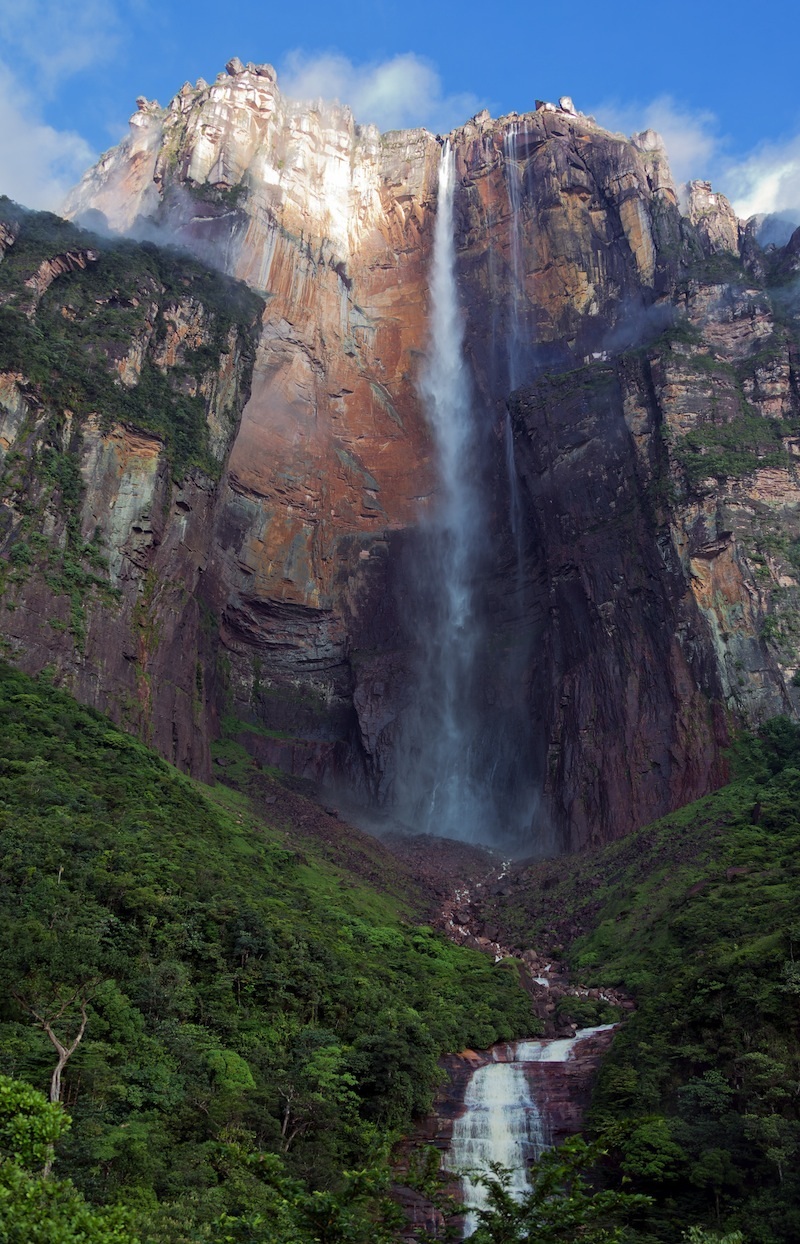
[502, 1122]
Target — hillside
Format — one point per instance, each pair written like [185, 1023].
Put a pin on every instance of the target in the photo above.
[259, 1019]
[698, 916]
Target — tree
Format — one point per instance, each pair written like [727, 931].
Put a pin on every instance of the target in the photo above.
[696, 1235]
[649, 1153]
[38, 1211]
[33, 1209]
[46, 1018]
[29, 1124]
[561, 1206]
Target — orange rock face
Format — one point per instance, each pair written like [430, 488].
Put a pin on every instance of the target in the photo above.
[631, 598]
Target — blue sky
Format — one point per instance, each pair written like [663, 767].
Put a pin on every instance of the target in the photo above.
[720, 80]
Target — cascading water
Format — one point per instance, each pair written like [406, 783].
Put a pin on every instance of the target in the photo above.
[440, 784]
[462, 758]
[559, 1050]
[502, 1122]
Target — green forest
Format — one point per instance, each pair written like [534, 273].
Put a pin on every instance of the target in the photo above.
[698, 1102]
[258, 1025]
[69, 343]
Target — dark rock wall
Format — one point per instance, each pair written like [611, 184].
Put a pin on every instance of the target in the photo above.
[624, 685]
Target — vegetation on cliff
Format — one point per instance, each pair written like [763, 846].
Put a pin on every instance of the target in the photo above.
[698, 1103]
[68, 338]
[257, 1020]
[98, 334]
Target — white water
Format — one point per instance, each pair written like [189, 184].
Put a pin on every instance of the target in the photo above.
[448, 399]
[503, 1123]
[463, 752]
[442, 786]
[517, 328]
[558, 1051]
[515, 343]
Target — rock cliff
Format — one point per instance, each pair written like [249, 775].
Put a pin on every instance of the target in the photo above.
[124, 372]
[641, 504]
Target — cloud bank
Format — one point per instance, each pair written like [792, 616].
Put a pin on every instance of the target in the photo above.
[767, 180]
[38, 164]
[42, 44]
[399, 93]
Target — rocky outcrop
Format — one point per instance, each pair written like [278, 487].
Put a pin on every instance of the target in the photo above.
[50, 269]
[627, 610]
[8, 233]
[713, 218]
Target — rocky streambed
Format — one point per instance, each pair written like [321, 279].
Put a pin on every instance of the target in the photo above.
[510, 1102]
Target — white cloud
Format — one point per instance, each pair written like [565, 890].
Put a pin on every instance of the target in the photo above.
[766, 180]
[691, 138]
[38, 164]
[50, 40]
[43, 43]
[394, 94]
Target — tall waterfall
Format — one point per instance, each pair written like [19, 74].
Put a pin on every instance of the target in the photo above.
[463, 747]
[448, 402]
[515, 338]
[442, 785]
[517, 320]
[502, 1122]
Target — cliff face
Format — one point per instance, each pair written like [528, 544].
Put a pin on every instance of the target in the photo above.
[642, 502]
[663, 493]
[123, 376]
[330, 222]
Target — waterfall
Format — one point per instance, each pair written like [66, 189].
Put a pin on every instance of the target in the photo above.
[559, 1050]
[443, 784]
[462, 759]
[448, 400]
[514, 503]
[502, 1122]
[515, 341]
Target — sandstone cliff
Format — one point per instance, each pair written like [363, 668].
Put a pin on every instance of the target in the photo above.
[124, 372]
[643, 595]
